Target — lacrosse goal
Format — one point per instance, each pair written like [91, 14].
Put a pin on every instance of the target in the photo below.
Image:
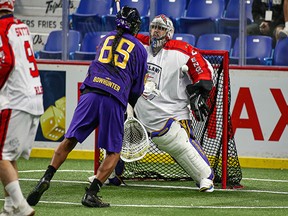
[215, 135]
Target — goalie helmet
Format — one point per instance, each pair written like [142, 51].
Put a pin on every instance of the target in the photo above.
[129, 19]
[163, 31]
[7, 5]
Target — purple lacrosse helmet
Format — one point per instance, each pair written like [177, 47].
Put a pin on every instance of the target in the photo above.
[129, 19]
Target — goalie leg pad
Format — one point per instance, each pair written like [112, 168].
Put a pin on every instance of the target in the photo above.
[189, 156]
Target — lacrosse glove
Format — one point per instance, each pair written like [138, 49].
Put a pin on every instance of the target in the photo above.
[198, 94]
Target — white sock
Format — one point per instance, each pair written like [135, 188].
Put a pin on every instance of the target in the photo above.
[14, 190]
[8, 204]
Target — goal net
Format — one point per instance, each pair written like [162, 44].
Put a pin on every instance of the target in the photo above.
[215, 135]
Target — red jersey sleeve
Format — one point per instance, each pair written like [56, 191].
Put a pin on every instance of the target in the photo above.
[144, 39]
[199, 67]
[6, 58]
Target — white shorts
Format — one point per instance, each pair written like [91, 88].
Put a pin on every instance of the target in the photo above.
[17, 133]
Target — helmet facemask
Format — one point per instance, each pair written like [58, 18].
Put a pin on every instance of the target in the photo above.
[161, 30]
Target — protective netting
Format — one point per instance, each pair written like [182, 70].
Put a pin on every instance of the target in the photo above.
[160, 165]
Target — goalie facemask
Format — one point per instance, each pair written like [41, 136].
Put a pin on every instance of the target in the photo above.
[161, 30]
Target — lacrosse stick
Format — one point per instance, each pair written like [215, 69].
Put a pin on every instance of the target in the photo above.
[135, 141]
[117, 5]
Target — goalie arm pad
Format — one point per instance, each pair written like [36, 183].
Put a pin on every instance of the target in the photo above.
[198, 94]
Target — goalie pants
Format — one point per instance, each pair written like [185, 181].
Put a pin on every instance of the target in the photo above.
[177, 139]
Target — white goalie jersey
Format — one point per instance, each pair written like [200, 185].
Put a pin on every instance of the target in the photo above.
[20, 85]
[169, 100]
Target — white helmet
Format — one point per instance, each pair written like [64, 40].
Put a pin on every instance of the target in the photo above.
[7, 5]
[158, 41]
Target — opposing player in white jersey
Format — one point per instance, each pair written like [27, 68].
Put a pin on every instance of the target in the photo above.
[21, 104]
[164, 106]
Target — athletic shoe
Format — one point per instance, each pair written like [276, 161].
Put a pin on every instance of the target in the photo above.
[4, 212]
[205, 189]
[24, 210]
[91, 199]
[206, 185]
[283, 33]
[34, 197]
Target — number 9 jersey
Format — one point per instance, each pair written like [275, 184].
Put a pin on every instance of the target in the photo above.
[20, 85]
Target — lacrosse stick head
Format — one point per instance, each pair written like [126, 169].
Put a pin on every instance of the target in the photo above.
[135, 141]
[129, 19]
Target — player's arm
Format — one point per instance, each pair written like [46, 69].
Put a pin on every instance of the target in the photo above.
[200, 72]
[6, 59]
[139, 76]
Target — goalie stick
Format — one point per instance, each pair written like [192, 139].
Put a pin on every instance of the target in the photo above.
[117, 5]
[136, 142]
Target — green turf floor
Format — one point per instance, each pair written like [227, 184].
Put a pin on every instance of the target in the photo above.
[265, 193]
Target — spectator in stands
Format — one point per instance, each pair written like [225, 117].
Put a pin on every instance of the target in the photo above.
[114, 78]
[284, 32]
[183, 77]
[21, 104]
[268, 18]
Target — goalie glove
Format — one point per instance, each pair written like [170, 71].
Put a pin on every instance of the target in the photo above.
[198, 94]
[199, 106]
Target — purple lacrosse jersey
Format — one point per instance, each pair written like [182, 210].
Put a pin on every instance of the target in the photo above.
[126, 80]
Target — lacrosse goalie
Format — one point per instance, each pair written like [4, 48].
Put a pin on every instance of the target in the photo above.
[182, 80]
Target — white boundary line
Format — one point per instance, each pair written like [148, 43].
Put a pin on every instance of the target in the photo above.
[170, 187]
[165, 186]
[172, 206]
[90, 171]
[162, 186]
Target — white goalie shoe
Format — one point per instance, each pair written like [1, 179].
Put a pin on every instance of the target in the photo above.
[206, 185]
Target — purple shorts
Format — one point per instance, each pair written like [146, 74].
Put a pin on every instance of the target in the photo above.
[102, 111]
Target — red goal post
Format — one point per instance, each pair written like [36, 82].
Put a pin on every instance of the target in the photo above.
[226, 88]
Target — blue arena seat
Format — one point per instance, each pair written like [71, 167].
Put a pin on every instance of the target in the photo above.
[189, 38]
[200, 8]
[88, 15]
[88, 46]
[258, 49]
[233, 6]
[214, 42]
[280, 56]
[195, 26]
[230, 26]
[143, 7]
[172, 9]
[53, 46]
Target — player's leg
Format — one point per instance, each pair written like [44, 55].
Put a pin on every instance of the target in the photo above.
[110, 138]
[90, 198]
[187, 152]
[19, 128]
[115, 178]
[81, 126]
[60, 155]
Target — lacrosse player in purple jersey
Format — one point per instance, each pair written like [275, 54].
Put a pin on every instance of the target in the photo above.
[114, 78]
